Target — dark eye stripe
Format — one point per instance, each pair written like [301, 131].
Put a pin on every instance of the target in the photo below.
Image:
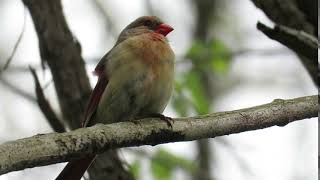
[147, 23]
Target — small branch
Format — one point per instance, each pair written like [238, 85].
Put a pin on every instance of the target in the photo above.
[298, 41]
[285, 12]
[303, 44]
[150, 8]
[18, 91]
[236, 53]
[6, 65]
[111, 27]
[53, 148]
[45, 106]
[62, 53]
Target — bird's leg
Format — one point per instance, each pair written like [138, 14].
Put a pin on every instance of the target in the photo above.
[164, 118]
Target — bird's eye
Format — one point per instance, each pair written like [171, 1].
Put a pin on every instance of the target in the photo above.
[147, 23]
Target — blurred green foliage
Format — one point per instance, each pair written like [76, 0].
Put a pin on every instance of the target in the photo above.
[190, 91]
[163, 163]
[194, 85]
[179, 102]
[135, 169]
[214, 55]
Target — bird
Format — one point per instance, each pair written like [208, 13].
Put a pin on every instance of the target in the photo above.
[135, 81]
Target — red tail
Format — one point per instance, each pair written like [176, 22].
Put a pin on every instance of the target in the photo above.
[74, 170]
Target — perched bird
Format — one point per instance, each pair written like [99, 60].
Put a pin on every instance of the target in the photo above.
[135, 80]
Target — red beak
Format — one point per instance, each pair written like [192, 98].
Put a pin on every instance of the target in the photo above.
[164, 29]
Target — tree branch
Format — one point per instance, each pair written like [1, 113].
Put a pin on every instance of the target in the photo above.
[303, 44]
[285, 12]
[298, 41]
[45, 106]
[291, 14]
[53, 148]
[18, 91]
[8, 61]
[62, 52]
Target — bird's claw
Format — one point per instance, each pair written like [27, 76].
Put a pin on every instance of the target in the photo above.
[166, 119]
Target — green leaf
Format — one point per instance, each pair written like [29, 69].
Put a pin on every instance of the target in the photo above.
[160, 171]
[178, 101]
[196, 50]
[206, 57]
[180, 104]
[219, 48]
[195, 85]
[135, 169]
[220, 57]
[164, 162]
[220, 65]
[175, 160]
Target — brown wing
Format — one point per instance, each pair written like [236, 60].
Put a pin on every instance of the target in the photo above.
[97, 91]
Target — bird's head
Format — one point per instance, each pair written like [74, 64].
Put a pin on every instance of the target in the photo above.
[145, 24]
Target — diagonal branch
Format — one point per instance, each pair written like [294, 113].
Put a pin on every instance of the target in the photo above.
[292, 14]
[45, 106]
[8, 61]
[53, 148]
[285, 12]
[298, 41]
[18, 91]
[62, 53]
[302, 43]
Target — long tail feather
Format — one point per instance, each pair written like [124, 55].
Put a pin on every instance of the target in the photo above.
[74, 170]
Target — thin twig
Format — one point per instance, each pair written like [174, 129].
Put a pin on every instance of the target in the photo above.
[45, 106]
[6, 65]
[302, 43]
[108, 20]
[18, 91]
[236, 53]
[149, 8]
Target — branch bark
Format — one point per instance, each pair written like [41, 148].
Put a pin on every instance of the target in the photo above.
[45, 106]
[296, 15]
[53, 148]
[300, 42]
[59, 48]
[285, 12]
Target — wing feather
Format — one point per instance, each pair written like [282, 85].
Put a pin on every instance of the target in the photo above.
[95, 99]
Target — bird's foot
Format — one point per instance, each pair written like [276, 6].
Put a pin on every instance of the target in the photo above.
[164, 118]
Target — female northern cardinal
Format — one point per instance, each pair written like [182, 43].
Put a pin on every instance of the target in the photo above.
[135, 81]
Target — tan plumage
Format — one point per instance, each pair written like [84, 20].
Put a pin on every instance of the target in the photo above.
[135, 80]
[140, 79]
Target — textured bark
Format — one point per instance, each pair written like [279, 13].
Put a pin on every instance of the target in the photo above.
[52, 148]
[45, 106]
[204, 156]
[62, 52]
[310, 9]
[298, 15]
[285, 12]
[300, 42]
